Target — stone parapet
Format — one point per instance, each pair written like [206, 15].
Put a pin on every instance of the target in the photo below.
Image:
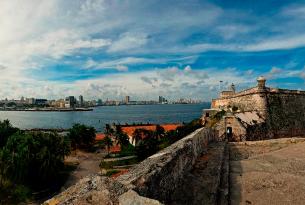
[153, 179]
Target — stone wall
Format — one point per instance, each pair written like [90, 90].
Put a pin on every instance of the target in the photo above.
[286, 113]
[153, 179]
[249, 101]
[283, 111]
[239, 132]
[159, 175]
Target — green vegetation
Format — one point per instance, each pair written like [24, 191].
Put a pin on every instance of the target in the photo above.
[34, 161]
[121, 137]
[112, 172]
[82, 136]
[149, 142]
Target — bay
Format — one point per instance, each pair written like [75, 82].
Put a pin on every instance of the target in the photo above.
[171, 113]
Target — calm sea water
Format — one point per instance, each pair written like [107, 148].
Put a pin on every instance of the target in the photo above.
[106, 114]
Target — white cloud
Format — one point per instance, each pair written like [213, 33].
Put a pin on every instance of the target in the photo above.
[122, 68]
[128, 41]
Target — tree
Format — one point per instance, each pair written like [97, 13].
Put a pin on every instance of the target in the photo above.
[6, 130]
[34, 159]
[82, 136]
[159, 132]
[137, 136]
[121, 137]
[108, 142]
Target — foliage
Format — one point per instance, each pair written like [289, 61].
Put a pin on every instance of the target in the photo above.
[112, 172]
[149, 142]
[82, 136]
[127, 150]
[107, 141]
[146, 148]
[6, 130]
[34, 159]
[121, 137]
[219, 115]
[20, 193]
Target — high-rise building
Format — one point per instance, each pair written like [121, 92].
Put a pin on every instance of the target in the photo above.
[162, 100]
[70, 102]
[81, 101]
[127, 99]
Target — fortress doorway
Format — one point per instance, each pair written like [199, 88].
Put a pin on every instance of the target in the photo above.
[229, 133]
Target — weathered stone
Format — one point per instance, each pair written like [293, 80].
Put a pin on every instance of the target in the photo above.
[90, 190]
[156, 177]
[133, 198]
[282, 111]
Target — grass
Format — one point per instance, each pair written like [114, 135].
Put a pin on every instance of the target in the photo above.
[111, 164]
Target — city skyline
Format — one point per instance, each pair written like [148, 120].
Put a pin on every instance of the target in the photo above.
[102, 49]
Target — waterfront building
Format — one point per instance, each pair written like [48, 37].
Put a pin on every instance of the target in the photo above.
[162, 100]
[70, 102]
[81, 101]
[30, 101]
[41, 101]
[127, 99]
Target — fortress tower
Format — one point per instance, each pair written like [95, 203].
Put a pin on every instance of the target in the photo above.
[261, 111]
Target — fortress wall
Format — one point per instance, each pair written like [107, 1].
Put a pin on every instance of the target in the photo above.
[286, 113]
[161, 174]
[153, 179]
[244, 102]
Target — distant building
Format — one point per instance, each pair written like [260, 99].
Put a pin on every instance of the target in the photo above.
[162, 100]
[41, 101]
[99, 102]
[81, 101]
[127, 99]
[70, 102]
[30, 101]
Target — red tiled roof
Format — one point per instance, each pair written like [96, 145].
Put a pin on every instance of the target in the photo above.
[129, 130]
[115, 149]
[99, 136]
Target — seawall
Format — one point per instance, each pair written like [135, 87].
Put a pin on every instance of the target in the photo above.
[152, 181]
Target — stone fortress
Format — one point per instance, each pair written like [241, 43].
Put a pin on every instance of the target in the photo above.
[257, 113]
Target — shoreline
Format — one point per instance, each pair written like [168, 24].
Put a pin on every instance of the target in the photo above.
[50, 110]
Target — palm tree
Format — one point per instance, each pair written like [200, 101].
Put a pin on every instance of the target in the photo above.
[137, 136]
[108, 142]
[120, 136]
[159, 132]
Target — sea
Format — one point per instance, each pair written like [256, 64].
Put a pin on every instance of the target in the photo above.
[159, 114]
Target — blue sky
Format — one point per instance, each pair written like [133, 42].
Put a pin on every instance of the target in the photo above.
[109, 49]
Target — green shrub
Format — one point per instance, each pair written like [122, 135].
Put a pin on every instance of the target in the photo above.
[21, 193]
[82, 136]
[111, 172]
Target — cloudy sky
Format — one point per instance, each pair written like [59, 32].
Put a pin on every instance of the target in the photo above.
[109, 49]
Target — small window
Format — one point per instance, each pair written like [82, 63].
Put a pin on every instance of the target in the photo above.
[207, 114]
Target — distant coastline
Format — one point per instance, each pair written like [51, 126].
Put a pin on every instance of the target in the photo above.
[50, 109]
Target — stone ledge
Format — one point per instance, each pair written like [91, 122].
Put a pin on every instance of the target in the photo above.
[156, 177]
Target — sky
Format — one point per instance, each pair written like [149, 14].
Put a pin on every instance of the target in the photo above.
[177, 49]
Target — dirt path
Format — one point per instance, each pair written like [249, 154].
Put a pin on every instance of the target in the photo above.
[268, 173]
[88, 163]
